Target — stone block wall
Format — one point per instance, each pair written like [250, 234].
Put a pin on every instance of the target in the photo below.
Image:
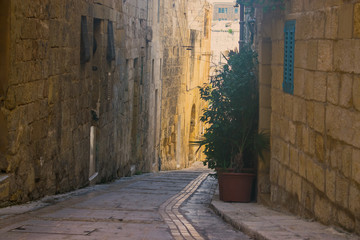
[186, 46]
[67, 122]
[315, 144]
[174, 30]
[230, 14]
[89, 90]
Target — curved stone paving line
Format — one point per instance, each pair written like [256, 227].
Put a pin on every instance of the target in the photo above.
[181, 228]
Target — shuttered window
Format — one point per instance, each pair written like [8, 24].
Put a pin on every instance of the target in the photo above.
[289, 49]
[110, 51]
[84, 42]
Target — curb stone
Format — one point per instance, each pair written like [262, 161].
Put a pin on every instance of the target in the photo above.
[236, 224]
[260, 222]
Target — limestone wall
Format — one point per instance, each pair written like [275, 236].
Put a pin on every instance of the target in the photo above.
[95, 90]
[72, 104]
[315, 143]
[185, 66]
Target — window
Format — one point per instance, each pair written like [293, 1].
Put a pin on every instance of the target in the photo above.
[289, 47]
[236, 10]
[225, 10]
[219, 19]
[219, 10]
[110, 51]
[97, 34]
[84, 44]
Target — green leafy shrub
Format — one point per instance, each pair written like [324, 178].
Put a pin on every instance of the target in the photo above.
[231, 139]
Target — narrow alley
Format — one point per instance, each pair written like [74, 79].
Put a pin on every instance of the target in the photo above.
[150, 206]
[180, 119]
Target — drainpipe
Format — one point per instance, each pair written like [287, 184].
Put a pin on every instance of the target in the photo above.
[242, 26]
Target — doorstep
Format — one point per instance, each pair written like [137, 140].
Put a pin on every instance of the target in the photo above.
[260, 222]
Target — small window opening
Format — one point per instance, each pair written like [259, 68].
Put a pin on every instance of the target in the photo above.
[289, 49]
[84, 41]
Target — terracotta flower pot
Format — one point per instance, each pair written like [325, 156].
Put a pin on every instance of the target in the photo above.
[235, 187]
[221, 170]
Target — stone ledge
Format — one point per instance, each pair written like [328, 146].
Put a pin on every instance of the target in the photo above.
[263, 223]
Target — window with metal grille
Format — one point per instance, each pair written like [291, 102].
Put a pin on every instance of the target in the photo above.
[289, 49]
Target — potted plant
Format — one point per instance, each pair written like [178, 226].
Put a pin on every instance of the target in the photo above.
[232, 140]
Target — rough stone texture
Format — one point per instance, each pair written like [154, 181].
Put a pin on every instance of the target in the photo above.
[346, 91]
[356, 93]
[333, 88]
[58, 110]
[53, 99]
[315, 132]
[346, 20]
[357, 20]
[325, 60]
[321, 209]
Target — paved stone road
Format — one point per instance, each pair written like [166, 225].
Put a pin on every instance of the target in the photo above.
[167, 205]
[203, 219]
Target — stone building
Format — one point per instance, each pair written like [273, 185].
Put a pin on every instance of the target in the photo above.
[226, 11]
[81, 90]
[224, 38]
[186, 65]
[225, 33]
[309, 100]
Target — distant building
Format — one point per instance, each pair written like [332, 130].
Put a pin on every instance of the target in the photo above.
[224, 37]
[225, 31]
[225, 12]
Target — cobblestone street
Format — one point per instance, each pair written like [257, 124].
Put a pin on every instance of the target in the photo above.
[166, 205]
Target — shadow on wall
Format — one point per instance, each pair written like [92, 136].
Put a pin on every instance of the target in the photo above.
[192, 148]
[4, 61]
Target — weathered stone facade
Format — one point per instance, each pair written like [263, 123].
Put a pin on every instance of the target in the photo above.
[64, 93]
[185, 67]
[314, 166]
[80, 91]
